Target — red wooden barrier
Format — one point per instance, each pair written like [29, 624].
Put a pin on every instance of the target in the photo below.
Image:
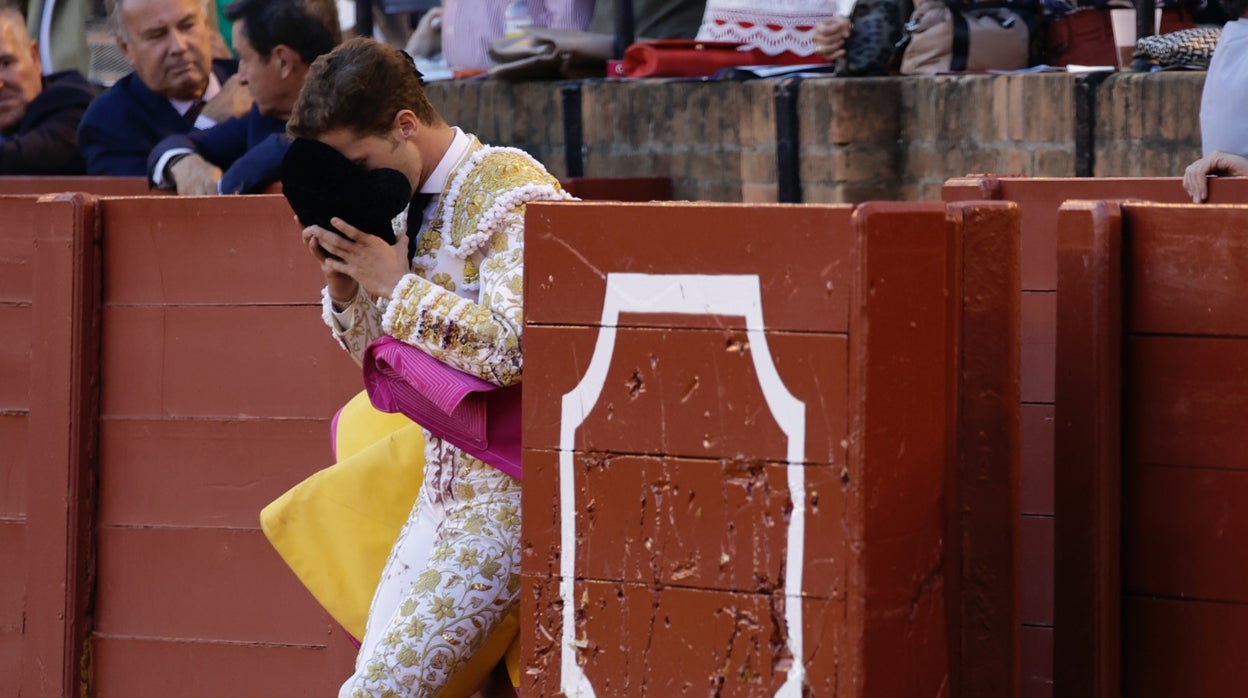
[99, 186]
[219, 382]
[684, 503]
[1038, 200]
[48, 405]
[17, 252]
[1152, 391]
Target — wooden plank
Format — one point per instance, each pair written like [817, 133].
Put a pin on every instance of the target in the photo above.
[276, 361]
[672, 522]
[1036, 570]
[145, 575]
[643, 641]
[1184, 648]
[204, 250]
[13, 458]
[1039, 346]
[10, 660]
[1087, 440]
[1189, 269]
[64, 412]
[987, 487]
[12, 573]
[100, 186]
[687, 392]
[15, 357]
[1183, 533]
[203, 472]
[17, 249]
[1037, 459]
[127, 667]
[903, 380]
[1037, 662]
[564, 271]
[1185, 399]
[1041, 197]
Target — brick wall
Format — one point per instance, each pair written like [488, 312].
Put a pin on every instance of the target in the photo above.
[856, 140]
[1148, 125]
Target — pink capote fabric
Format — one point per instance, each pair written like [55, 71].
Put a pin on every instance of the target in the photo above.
[477, 416]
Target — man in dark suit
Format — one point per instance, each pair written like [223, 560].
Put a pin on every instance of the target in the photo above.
[176, 87]
[276, 41]
[38, 115]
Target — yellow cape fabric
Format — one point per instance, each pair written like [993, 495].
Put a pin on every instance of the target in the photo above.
[336, 528]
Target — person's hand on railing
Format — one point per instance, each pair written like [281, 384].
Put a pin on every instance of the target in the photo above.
[1195, 177]
[194, 176]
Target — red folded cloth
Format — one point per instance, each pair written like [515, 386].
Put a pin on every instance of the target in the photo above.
[477, 416]
[687, 58]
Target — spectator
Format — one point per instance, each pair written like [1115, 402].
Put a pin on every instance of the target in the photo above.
[456, 295]
[176, 86]
[38, 115]
[654, 19]
[830, 37]
[1223, 133]
[59, 26]
[276, 40]
[775, 27]
[468, 27]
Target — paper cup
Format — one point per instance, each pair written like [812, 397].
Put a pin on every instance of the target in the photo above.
[1123, 23]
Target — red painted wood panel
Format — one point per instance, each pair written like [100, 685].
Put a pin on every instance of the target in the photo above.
[15, 357]
[1189, 269]
[1041, 197]
[64, 412]
[233, 250]
[1038, 662]
[702, 380]
[10, 660]
[130, 667]
[17, 249]
[1087, 452]
[1184, 648]
[221, 361]
[706, 524]
[1039, 342]
[100, 186]
[565, 284]
[1186, 399]
[13, 455]
[1184, 531]
[202, 584]
[983, 573]
[1037, 457]
[12, 581]
[895, 479]
[670, 642]
[1036, 575]
[204, 472]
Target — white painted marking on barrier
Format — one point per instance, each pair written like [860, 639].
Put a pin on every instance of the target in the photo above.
[688, 294]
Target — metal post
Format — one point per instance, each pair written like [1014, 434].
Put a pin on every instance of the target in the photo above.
[1144, 17]
[364, 18]
[623, 26]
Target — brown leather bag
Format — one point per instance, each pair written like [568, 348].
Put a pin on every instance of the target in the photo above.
[550, 54]
[946, 40]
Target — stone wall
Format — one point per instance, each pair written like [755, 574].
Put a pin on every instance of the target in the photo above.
[841, 140]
